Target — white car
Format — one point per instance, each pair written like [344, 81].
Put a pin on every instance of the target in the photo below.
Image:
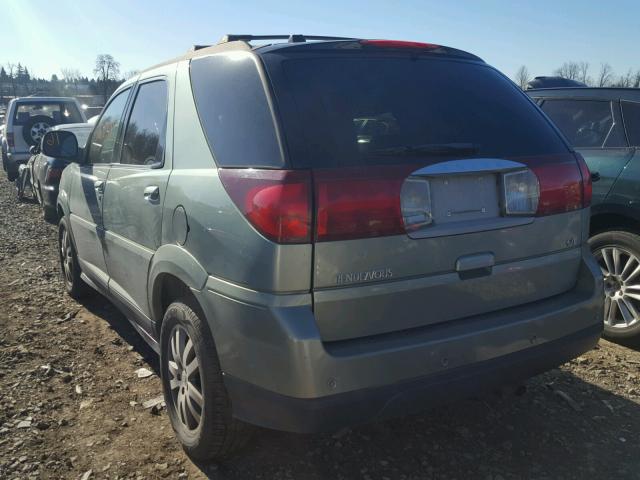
[28, 119]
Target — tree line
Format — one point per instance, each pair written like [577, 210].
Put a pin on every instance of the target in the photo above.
[17, 81]
[581, 71]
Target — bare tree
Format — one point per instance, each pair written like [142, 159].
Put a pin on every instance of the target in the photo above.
[604, 77]
[583, 73]
[522, 77]
[570, 70]
[624, 81]
[130, 74]
[71, 76]
[12, 69]
[107, 71]
[636, 79]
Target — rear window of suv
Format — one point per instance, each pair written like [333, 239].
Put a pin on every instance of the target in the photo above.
[57, 112]
[349, 111]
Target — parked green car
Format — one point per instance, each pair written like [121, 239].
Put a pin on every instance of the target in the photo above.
[603, 124]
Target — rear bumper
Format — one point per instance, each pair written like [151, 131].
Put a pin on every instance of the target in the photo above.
[280, 373]
[269, 409]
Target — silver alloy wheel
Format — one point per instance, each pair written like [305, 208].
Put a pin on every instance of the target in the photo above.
[621, 270]
[185, 382]
[66, 255]
[38, 130]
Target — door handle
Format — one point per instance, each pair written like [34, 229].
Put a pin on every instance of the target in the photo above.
[595, 176]
[152, 193]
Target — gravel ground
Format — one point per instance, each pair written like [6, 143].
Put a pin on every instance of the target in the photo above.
[72, 404]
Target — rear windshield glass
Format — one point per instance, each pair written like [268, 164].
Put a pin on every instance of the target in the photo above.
[373, 110]
[56, 113]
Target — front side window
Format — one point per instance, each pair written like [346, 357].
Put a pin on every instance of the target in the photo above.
[103, 148]
[145, 134]
[586, 123]
[631, 114]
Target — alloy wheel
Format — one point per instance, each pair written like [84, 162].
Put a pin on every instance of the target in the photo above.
[185, 382]
[621, 270]
[66, 256]
[38, 130]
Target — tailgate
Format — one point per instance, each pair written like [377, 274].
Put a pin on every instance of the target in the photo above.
[469, 259]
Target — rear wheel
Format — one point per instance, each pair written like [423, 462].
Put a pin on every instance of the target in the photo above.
[618, 254]
[74, 285]
[196, 398]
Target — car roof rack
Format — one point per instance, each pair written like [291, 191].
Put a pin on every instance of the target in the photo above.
[291, 38]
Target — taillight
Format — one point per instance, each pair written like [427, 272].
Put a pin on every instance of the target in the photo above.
[10, 140]
[560, 188]
[276, 202]
[359, 202]
[587, 185]
[53, 175]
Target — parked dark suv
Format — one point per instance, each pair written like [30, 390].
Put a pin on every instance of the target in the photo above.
[603, 124]
[315, 234]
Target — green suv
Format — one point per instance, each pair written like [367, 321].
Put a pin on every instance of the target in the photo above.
[322, 232]
[603, 124]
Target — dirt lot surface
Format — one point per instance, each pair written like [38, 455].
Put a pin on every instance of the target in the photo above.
[71, 402]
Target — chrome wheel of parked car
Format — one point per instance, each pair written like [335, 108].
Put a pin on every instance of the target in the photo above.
[621, 270]
[185, 383]
[618, 254]
[38, 130]
[66, 255]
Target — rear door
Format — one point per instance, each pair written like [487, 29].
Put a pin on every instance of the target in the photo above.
[410, 156]
[595, 129]
[135, 193]
[88, 189]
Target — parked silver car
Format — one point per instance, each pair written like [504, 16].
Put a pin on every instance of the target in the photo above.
[296, 273]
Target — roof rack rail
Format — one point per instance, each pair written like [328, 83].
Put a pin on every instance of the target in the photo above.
[293, 38]
[199, 47]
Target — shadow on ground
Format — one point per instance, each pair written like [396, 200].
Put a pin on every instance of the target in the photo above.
[538, 434]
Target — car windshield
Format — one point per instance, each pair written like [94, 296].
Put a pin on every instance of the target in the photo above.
[56, 112]
[352, 110]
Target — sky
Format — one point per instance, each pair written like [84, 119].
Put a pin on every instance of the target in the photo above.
[47, 36]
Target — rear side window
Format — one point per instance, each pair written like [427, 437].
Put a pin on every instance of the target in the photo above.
[364, 110]
[145, 134]
[234, 111]
[586, 123]
[631, 114]
[56, 113]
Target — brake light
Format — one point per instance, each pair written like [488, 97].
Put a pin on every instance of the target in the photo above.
[399, 44]
[276, 202]
[561, 188]
[10, 140]
[359, 202]
[587, 185]
[53, 175]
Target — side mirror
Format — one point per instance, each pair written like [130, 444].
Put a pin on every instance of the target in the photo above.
[34, 149]
[61, 144]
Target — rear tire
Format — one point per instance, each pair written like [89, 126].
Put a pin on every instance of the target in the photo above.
[194, 391]
[618, 254]
[73, 284]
